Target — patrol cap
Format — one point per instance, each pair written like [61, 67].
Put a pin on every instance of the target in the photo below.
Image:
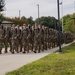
[18, 25]
[24, 24]
[13, 25]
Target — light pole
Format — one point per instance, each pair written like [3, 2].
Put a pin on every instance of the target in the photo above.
[73, 18]
[74, 7]
[62, 14]
[38, 13]
[19, 14]
[59, 36]
[62, 17]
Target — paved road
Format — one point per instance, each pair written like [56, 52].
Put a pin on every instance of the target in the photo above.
[9, 62]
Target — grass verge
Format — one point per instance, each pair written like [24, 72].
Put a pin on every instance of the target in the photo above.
[53, 64]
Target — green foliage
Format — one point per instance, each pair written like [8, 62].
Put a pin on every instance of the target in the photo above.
[16, 20]
[48, 21]
[30, 20]
[1, 17]
[23, 17]
[53, 64]
[21, 21]
[69, 23]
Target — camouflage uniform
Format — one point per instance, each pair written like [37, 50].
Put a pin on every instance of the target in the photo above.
[49, 38]
[13, 39]
[21, 39]
[1, 38]
[33, 37]
[68, 37]
[6, 38]
[25, 39]
[45, 38]
[52, 38]
[29, 38]
[56, 38]
[36, 39]
[41, 38]
[18, 38]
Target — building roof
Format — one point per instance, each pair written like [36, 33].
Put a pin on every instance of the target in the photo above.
[7, 22]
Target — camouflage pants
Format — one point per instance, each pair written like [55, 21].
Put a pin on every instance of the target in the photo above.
[49, 43]
[13, 45]
[6, 44]
[42, 44]
[37, 46]
[17, 44]
[1, 45]
[25, 45]
[45, 44]
[30, 44]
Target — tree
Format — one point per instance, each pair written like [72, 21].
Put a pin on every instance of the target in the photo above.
[2, 5]
[16, 20]
[69, 23]
[30, 21]
[23, 18]
[1, 18]
[48, 21]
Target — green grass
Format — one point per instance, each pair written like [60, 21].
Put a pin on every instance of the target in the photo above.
[53, 64]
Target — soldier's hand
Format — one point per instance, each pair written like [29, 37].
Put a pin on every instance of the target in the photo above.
[5, 37]
[36, 36]
[27, 37]
[15, 37]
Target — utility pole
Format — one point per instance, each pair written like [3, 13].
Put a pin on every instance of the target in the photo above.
[38, 13]
[62, 18]
[59, 36]
[62, 14]
[74, 7]
[73, 18]
[19, 14]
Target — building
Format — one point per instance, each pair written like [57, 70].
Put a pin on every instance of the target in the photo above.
[7, 23]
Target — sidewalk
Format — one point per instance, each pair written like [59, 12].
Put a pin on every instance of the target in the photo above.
[9, 62]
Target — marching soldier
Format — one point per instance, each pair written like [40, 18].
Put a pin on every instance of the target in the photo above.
[18, 37]
[29, 37]
[52, 38]
[45, 38]
[25, 38]
[41, 38]
[33, 29]
[49, 38]
[13, 39]
[21, 28]
[36, 39]
[7, 38]
[1, 37]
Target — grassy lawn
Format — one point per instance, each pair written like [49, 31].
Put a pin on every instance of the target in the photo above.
[53, 64]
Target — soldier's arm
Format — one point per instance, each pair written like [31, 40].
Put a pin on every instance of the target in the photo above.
[21, 34]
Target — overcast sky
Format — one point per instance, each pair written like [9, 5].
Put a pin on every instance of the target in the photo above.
[29, 8]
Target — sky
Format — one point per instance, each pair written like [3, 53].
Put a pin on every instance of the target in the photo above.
[29, 8]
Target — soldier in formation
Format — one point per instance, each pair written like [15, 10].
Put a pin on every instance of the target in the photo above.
[27, 38]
